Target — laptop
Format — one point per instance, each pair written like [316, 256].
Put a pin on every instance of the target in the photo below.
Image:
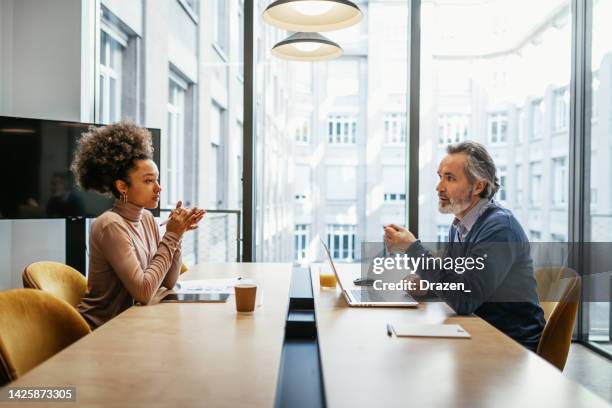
[369, 297]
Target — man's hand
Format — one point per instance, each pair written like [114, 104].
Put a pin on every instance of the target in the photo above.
[417, 292]
[398, 239]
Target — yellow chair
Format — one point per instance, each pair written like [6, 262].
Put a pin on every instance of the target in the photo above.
[559, 293]
[56, 278]
[34, 325]
[184, 268]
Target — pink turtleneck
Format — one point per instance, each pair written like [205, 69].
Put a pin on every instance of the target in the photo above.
[127, 261]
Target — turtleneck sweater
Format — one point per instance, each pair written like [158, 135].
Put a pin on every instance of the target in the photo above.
[128, 262]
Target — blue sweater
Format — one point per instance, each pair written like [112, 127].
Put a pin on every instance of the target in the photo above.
[504, 292]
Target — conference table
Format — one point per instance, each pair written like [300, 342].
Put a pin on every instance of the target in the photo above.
[188, 355]
[363, 367]
[179, 354]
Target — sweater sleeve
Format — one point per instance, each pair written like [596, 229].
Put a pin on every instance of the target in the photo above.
[175, 269]
[498, 254]
[118, 248]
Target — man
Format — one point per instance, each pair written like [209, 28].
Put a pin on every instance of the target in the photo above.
[504, 292]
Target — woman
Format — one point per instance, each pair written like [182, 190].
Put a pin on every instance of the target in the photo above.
[128, 260]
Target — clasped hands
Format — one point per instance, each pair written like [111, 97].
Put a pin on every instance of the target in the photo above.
[183, 219]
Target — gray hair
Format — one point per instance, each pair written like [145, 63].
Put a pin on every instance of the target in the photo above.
[480, 165]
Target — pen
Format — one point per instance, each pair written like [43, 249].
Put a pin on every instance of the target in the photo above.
[389, 330]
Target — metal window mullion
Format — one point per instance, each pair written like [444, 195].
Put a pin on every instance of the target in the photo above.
[248, 146]
[579, 148]
[412, 147]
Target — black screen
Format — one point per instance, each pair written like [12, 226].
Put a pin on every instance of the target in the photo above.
[35, 157]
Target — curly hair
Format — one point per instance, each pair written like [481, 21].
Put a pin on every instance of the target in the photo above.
[106, 154]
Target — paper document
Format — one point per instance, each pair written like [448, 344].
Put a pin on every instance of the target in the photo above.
[207, 286]
[430, 330]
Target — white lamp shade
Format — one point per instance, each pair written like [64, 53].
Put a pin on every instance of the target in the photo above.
[307, 47]
[312, 15]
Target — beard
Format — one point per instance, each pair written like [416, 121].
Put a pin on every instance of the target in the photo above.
[456, 205]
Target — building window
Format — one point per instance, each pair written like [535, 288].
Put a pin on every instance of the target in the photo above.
[453, 128]
[520, 131]
[112, 45]
[560, 181]
[535, 184]
[173, 146]
[301, 243]
[215, 168]
[220, 24]
[302, 131]
[341, 242]
[395, 128]
[241, 39]
[562, 101]
[503, 184]
[518, 184]
[342, 129]
[398, 197]
[442, 233]
[537, 119]
[498, 128]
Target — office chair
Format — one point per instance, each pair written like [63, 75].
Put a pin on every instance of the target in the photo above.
[34, 325]
[56, 278]
[559, 293]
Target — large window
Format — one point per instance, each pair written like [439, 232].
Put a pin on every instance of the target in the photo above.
[597, 285]
[325, 131]
[502, 85]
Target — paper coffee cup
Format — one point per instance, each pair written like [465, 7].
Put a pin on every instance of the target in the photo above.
[245, 296]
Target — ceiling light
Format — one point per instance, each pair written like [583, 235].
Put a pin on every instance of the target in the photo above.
[312, 15]
[307, 47]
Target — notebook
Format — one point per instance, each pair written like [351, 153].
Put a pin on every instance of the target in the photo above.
[430, 330]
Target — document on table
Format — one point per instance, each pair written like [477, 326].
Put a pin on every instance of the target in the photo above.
[207, 286]
[430, 330]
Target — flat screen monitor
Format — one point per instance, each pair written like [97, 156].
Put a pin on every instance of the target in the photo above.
[35, 158]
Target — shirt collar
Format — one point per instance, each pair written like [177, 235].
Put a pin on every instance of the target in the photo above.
[464, 225]
[128, 210]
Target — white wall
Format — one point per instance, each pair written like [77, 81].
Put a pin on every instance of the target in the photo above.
[40, 77]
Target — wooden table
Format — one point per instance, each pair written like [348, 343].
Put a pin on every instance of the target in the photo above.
[179, 354]
[363, 367]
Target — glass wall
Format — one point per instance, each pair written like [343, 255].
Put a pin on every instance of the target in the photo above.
[598, 286]
[492, 73]
[177, 65]
[331, 139]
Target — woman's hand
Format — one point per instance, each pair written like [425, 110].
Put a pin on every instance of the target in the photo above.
[182, 219]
